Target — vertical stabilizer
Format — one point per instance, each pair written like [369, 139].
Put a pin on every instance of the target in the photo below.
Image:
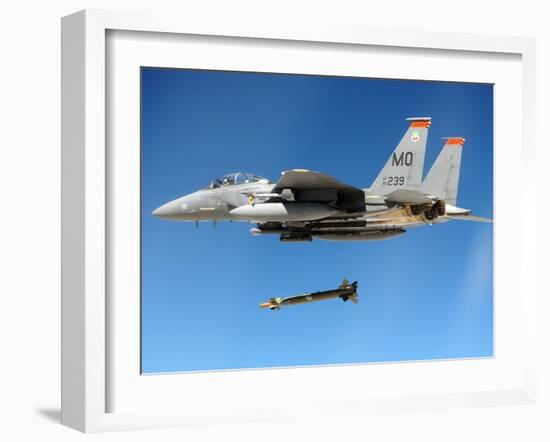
[442, 179]
[405, 166]
[345, 283]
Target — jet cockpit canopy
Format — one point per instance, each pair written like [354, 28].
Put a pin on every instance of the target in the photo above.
[235, 178]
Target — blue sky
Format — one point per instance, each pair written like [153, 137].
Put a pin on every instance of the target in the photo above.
[427, 294]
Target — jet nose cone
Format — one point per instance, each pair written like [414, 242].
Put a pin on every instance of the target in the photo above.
[181, 209]
[164, 211]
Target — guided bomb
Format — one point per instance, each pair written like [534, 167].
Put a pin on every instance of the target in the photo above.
[345, 291]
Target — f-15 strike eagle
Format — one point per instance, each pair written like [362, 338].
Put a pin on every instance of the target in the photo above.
[305, 204]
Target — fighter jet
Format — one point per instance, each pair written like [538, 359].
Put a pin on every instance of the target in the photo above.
[345, 291]
[305, 204]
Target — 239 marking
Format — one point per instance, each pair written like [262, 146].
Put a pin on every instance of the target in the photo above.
[395, 181]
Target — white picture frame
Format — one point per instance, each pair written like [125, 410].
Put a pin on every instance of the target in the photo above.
[86, 356]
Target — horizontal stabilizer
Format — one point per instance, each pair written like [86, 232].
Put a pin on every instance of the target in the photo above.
[470, 217]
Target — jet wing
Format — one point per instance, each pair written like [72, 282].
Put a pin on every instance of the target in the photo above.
[301, 179]
[308, 185]
[406, 196]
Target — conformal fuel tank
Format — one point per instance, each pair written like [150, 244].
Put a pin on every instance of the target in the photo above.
[290, 211]
[361, 236]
